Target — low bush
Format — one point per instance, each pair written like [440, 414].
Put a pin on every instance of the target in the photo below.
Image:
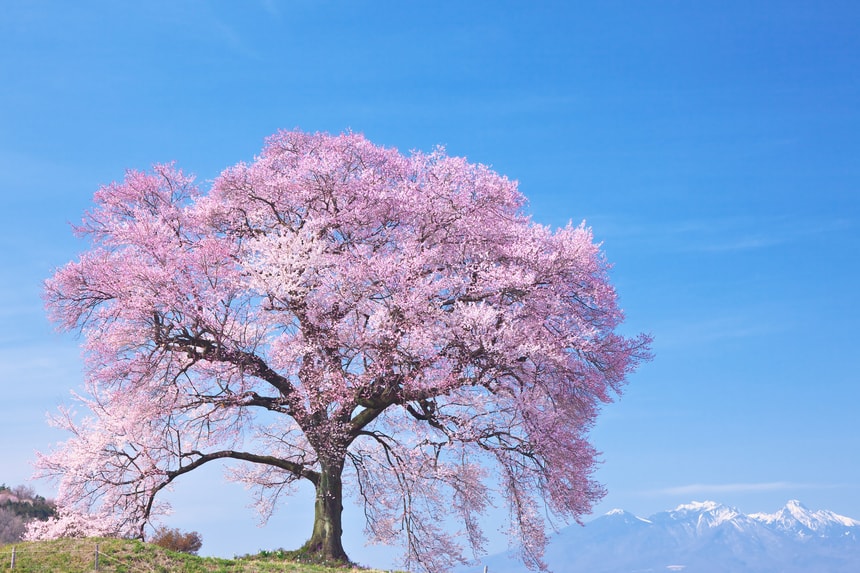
[175, 540]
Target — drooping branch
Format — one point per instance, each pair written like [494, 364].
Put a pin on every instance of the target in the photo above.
[297, 470]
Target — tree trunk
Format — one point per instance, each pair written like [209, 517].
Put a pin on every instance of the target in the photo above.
[325, 542]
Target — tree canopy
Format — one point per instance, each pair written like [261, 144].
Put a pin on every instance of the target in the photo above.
[392, 326]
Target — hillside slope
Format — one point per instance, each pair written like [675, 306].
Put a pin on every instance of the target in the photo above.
[131, 556]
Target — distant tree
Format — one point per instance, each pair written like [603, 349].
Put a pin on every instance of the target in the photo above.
[18, 506]
[175, 540]
[23, 492]
[36, 508]
[340, 314]
[12, 526]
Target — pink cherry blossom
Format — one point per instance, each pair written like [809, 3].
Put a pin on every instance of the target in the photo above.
[391, 326]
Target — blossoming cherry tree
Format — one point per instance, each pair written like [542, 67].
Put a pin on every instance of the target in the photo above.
[391, 326]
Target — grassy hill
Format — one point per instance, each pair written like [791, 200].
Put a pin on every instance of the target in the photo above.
[131, 556]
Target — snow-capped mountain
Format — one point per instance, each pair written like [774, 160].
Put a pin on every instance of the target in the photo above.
[703, 537]
[797, 519]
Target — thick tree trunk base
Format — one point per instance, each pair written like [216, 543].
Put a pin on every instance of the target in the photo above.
[318, 551]
[325, 544]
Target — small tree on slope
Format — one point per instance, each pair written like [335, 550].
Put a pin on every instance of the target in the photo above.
[338, 313]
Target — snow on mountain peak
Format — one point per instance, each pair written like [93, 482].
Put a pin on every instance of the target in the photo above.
[706, 514]
[698, 506]
[797, 510]
[797, 517]
[625, 515]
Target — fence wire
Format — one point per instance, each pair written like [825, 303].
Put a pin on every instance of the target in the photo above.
[13, 557]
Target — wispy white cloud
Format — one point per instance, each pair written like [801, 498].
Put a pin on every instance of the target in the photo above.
[696, 331]
[38, 372]
[271, 8]
[719, 235]
[729, 488]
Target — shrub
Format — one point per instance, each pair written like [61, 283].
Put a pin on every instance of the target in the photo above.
[175, 540]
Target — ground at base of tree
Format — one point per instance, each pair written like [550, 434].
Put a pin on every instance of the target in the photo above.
[132, 556]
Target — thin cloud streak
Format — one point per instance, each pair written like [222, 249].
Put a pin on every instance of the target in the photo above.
[721, 234]
[700, 488]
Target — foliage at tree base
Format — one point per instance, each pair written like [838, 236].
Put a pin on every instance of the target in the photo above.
[132, 556]
[301, 555]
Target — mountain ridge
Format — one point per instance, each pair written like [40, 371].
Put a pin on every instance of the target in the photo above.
[703, 537]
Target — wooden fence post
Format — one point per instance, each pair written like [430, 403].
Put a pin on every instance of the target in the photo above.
[12, 566]
[97, 556]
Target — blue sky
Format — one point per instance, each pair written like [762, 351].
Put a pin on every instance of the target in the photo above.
[713, 147]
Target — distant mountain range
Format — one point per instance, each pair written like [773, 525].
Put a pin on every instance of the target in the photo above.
[703, 537]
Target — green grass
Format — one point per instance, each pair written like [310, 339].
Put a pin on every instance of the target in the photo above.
[131, 556]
